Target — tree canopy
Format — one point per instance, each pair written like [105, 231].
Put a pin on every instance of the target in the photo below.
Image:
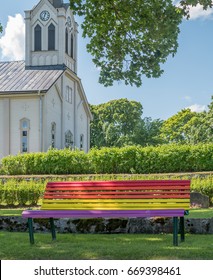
[119, 123]
[188, 127]
[114, 122]
[129, 39]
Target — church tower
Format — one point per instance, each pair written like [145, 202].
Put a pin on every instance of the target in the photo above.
[51, 35]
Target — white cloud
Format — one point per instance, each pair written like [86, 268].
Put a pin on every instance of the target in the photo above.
[197, 11]
[12, 43]
[197, 108]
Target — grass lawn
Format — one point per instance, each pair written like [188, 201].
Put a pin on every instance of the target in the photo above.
[16, 246]
[193, 213]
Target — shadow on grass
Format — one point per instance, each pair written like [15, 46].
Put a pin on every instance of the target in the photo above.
[16, 246]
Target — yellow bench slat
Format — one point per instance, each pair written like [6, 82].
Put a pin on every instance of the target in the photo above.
[129, 200]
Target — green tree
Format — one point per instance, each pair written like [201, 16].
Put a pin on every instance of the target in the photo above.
[147, 132]
[174, 128]
[189, 127]
[200, 127]
[114, 122]
[129, 39]
[1, 29]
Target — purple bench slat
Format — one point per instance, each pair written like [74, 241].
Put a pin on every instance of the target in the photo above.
[102, 213]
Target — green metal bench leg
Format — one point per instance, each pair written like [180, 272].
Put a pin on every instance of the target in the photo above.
[30, 225]
[52, 229]
[175, 231]
[182, 229]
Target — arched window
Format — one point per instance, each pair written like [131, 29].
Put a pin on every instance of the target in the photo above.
[66, 41]
[53, 134]
[81, 141]
[24, 127]
[51, 37]
[72, 47]
[69, 139]
[37, 38]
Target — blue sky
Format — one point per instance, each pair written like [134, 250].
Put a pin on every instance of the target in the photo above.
[186, 82]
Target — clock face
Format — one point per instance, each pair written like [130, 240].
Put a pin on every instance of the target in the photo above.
[44, 15]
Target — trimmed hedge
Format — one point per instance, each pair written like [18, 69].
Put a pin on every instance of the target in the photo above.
[133, 159]
[19, 192]
[52, 162]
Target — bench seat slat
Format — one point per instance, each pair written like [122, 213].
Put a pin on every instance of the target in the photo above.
[115, 196]
[102, 213]
[114, 206]
[139, 183]
[115, 188]
[114, 201]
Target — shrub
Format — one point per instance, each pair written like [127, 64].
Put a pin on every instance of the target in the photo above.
[52, 162]
[133, 159]
[20, 193]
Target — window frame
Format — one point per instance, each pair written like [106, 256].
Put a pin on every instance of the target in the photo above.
[37, 38]
[51, 37]
[69, 141]
[22, 130]
[53, 133]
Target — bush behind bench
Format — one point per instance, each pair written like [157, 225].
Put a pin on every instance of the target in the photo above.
[28, 192]
[131, 159]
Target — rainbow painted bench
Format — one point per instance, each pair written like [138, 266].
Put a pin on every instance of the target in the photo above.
[114, 199]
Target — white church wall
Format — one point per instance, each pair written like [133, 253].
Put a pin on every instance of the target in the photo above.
[24, 108]
[69, 104]
[52, 115]
[1, 129]
[82, 123]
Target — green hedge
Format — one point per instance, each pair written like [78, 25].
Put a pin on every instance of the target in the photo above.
[133, 159]
[19, 192]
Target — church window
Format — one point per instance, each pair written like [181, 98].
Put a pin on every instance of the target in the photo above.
[72, 47]
[69, 139]
[66, 41]
[53, 134]
[37, 38]
[69, 94]
[51, 37]
[25, 126]
[81, 141]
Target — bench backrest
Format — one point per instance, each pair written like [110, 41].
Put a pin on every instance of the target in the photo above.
[117, 195]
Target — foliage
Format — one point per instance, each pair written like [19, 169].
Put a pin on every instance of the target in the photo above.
[131, 38]
[129, 159]
[188, 127]
[52, 162]
[114, 122]
[118, 123]
[147, 132]
[1, 29]
[174, 127]
[25, 192]
[15, 192]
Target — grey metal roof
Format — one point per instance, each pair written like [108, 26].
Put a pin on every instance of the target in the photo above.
[15, 78]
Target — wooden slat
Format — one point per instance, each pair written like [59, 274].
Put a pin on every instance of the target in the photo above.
[114, 207]
[102, 213]
[122, 183]
[124, 196]
[112, 195]
[101, 188]
[82, 201]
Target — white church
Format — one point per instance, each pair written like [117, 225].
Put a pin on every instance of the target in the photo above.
[42, 100]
